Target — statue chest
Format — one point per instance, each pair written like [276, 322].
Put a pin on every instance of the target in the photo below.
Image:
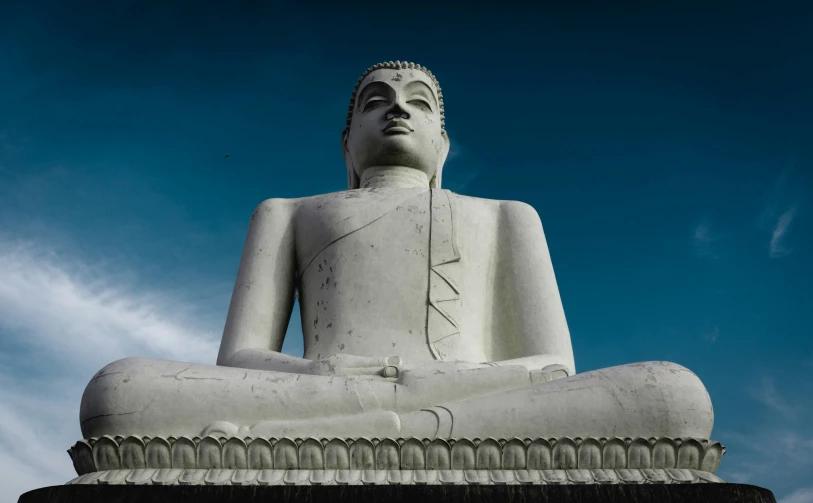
[377, 277]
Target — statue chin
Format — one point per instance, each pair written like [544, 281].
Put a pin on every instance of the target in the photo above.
[460, 289]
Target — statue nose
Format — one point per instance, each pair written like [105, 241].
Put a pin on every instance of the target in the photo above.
[392, 115]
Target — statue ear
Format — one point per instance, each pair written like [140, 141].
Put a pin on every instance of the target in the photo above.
[434, 183]
[352, 178]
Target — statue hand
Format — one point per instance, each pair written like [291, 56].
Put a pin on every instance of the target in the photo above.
[440, 367]
[347, 365]
[549, 373]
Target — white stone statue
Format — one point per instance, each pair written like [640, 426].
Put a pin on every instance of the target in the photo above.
[425, 314]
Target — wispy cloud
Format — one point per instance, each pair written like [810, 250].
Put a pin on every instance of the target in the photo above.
[458, 180]
[703, 241]
[780, 230]
[802, 495]
[712, 336]
[767, 394]
[61, 320]
[768, 454]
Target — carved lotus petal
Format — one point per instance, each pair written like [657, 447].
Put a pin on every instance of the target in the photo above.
[711, 457]
[319, 477]
[133, 453]
[285, 455]
[413, 455]
[243, 477]
[113, 477]
[579, 476]
[605, 476]
[387, 456]
[166, 476]
[209, 454]
[540, 455]
[337, 455]
[564, 454]
[260, 454]
[690, 453]
[502, 477]
[191, 477]
[631, 476]
[348, 477]
[184, 453]
[235, 454]
[554, 476]
[270, 477]
[639, 454]
[463, 455]
[362, 455]
[614, 454]
[438, 455]
[158, 453]
[218, 476]
[488, 455]
[514, 455]
[106, 454]
[82, 456]
[311, 455]
[589, 455]
[664, 453]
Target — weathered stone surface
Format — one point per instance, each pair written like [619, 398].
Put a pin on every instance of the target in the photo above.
[107, 453]
[644, 493]
[426, 315]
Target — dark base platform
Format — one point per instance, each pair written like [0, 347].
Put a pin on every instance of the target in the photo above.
[667, 493]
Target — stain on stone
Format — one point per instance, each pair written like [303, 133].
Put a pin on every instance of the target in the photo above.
[315, 322]
[341, 347]
[328, 326]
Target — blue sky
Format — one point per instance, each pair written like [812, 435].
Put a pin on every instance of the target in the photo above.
[668, 150]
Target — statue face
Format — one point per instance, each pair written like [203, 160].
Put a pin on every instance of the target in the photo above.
[396, 121]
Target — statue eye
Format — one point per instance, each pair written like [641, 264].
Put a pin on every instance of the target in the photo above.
[374, 102]
[421, 103]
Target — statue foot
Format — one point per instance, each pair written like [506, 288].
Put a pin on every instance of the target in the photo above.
[225, 429]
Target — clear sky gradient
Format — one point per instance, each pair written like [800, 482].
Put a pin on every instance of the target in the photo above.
[668, 151]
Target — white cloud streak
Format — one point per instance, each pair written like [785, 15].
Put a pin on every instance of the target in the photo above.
[767, 394]
[802, 495]
[702, 240]
[780, 230]
[61, 320]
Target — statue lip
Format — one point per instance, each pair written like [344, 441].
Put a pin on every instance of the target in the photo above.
[397, 126]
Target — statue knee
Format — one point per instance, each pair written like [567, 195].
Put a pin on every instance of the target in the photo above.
[115, 392]
[686, 404]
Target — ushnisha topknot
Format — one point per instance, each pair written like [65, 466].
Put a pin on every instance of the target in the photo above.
[395, 65]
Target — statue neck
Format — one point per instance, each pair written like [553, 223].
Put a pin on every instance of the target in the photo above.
[397, 177]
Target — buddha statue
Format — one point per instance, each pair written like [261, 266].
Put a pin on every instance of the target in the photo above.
[425, 314]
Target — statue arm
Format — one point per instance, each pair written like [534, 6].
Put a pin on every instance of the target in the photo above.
[533, 330]
[263, 296]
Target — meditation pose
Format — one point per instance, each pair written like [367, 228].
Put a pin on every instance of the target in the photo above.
[425, 314]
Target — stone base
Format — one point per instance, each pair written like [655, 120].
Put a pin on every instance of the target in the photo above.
[674, 493]
[298, 477]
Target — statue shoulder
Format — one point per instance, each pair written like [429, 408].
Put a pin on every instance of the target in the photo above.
[479, 202]
[281, 205]
[517, 214]
[274, 211]
[514, 211]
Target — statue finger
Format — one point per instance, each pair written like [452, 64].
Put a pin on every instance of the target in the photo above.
[363, 371]
[353, 361]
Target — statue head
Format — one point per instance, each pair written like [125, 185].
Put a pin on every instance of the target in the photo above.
[396, 118]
